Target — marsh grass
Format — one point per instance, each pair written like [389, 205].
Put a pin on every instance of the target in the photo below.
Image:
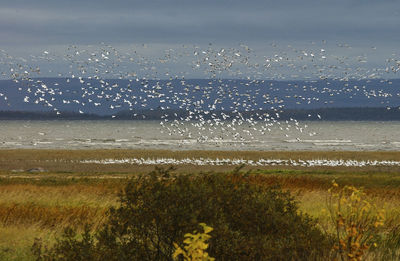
[67, 161]
[68, 194]
[16, 240]
[38, 208]
[55, 205]
[50, 216]
[62, 195]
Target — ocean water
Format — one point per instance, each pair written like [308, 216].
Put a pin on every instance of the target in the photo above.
[112, 134]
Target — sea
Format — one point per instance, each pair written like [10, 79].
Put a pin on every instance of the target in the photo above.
[135, 134]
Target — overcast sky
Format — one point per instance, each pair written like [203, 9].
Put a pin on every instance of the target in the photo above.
[28, 26]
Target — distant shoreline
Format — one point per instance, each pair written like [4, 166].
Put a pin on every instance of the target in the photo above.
[321, 114]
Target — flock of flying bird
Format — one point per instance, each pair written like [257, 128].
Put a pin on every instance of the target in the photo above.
[238, 99]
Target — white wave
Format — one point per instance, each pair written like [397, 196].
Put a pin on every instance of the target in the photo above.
[332, 144]
[9, 144]
[320, 142]
[365, 145]
[224, 141]
[326, 141]
[293, 141]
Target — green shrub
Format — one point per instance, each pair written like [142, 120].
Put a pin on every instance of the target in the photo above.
[250, 222]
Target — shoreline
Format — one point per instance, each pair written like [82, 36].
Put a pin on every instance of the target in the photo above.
[117, 151]
[46, 162]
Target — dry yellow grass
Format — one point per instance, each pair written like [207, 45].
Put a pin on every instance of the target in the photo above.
[50, 216]
[70, 195]
[37, 210]
[55, 206]
[16, 240]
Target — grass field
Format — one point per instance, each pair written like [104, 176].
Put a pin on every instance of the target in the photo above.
[68, 193]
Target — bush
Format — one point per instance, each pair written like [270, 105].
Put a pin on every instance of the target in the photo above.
[356, 222]
[250, 222]
[195, 246]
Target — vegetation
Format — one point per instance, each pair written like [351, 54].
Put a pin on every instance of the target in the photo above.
[41, 205]
[15, 162]
[355, 221]
[250, 222]
[195, 246]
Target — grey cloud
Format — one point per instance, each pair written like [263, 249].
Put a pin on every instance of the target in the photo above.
[224, 22]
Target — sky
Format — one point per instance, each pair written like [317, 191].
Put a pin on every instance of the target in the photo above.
[368, 27]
